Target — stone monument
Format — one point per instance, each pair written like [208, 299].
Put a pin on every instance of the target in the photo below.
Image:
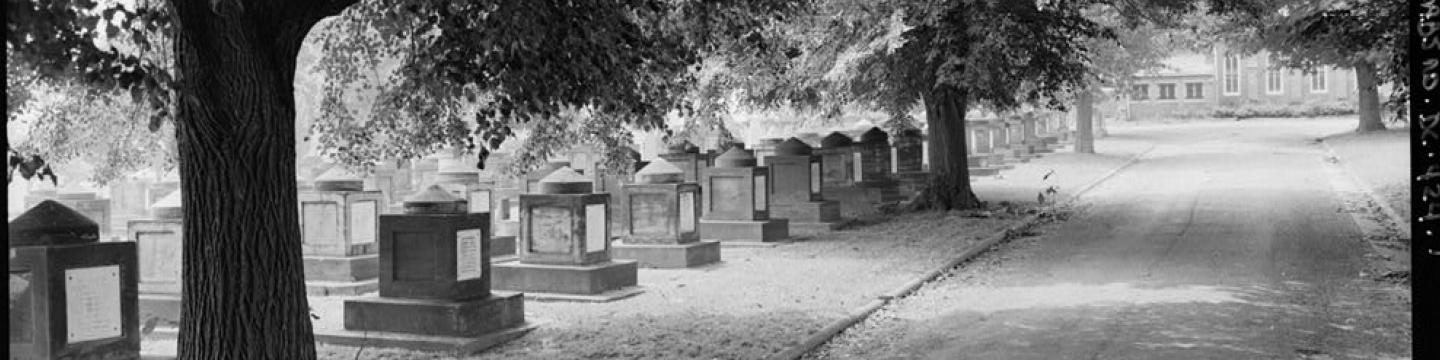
[737, 201]
[873, 165]
[838, 155]
[86, 202]
[434, 284]
[765, 149]
[797, 191]
[71, 296]
[338, 223]
[159, 241]
[981, 161]
[613, 182]
[462, 179]
[664, 230]
[689, 159]
[565, 244]
[908, 152]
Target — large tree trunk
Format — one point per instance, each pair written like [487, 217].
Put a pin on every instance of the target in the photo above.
[1365, 79]
[244, 285]
[1084, 123]
[949, 186]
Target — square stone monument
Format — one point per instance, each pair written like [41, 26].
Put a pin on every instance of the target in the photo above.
[980, 160]
[664, 230]
[689, 159]
[765, 149]
[613, 181]
[461, 178]
[71, 296]
[908, 151]
[737, 201]
[873, 165]
[159, 241]
[565, 245]
[339, 222]
[838, 157]
[88, 203]
[1030, 133]
[434, 284]
[797, 194]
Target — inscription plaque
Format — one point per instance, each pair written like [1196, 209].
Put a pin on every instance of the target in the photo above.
[469, 255]
[815, 177]
[479, 201]
[724, 190]
[550, 230]
[647, 214]
[859, 169]
[362, 222]
[319, 221]
[894, 163]
[687, 212]
[20, 309]
[514, 210]
[595, 235]
[160, 256]
[92, 303]
[760, 191]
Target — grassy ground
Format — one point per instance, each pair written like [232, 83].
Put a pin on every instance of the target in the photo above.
[759, 301]
[1381, 160]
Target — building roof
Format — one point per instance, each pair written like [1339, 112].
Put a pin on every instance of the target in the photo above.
[1182, 65]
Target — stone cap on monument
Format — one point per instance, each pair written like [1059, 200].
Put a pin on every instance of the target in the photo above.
[338, 178]
[659, 172]
[50, 223]
[566, 181]
[685, 147]
[169, 207]
[434, 200]
[874, 135]
[836, 139]
[732, 144]
[736, 157]
[771, 142]
[793, 147]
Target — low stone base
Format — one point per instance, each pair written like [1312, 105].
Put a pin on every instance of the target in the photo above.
[163, 306]
[467, 318]
[984, 171]
[341, 288]
[745, 231]
[812, 228]
[850, 194]
[564, 279]
[809, 211]
[604, 297]
[668, 256]
[453, 345]
[342, 269]
[502, 246]
[889, 189]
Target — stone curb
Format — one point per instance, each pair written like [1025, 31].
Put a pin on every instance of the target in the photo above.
[858, 314]
[1370, 192]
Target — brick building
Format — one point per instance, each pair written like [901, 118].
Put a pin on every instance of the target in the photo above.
[1195, 84]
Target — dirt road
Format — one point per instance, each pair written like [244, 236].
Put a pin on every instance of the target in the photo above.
[1225, 242]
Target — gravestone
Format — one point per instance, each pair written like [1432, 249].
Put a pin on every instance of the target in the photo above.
[838, 157]
[737, 202]
[664, 230]
[584, 158]
[462, 179]
[689, 159]
[765, 148]
[873, 165]
[565, 244]
[339, 222]
[1015, 139]
[1031, 133]
[532, 179]
[71, 296]
[613, 182]
[166, 185]
[981, 159]
[382, 178]
[435, 275]
[908, 152]
[797, 191]
[422, 173]
[128, 198]
[159, 241]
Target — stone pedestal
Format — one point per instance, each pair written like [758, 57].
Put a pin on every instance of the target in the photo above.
[565, 244]
[798, 190]
[737, 201]
[664, 231]
[71, 297]
[339, 225]
[160, 241]
[689, 159]
[872, 164]
[89, 204]
[434, 284]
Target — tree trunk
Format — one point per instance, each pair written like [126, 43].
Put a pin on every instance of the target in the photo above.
[243, 279]
[1365, 79]
[1084, 126]
[949, 187]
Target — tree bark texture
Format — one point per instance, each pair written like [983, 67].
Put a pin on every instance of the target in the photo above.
[949, 186]
[1084, 123]
[244, 286]
[1365, 79]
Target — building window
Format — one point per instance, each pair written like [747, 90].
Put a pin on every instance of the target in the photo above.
[1140, 92]
[1317, 81]
[1195, 91]
[1274, 83]
[1167, 92]
[1232, 75]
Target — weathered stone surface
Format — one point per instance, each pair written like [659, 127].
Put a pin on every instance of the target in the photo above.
[51, 223]
[434, 256]
[693, 254]
[586, 279]
[468, 317]
[770, 230]
[568, 229]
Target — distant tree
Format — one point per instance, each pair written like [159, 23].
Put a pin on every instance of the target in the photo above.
[66, 124]
[230, 92]
[1139, 45]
